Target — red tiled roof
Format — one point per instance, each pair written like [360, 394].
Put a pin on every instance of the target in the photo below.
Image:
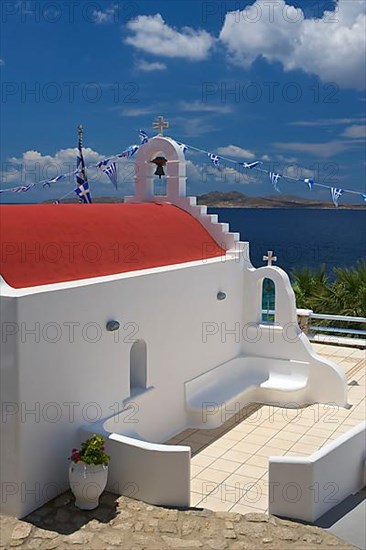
[52, 243]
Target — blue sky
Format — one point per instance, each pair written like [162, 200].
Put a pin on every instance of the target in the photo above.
[282, 82]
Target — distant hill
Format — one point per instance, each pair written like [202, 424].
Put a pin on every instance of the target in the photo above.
[235, 199]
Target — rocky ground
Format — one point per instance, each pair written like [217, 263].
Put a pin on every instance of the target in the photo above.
[127, 524]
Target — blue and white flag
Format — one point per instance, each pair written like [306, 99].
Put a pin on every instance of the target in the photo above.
[184, 147]
[364, 197]
[309, 182]
[274, 177]
[214, 159]
[111, 172]
[336, 194]
[83, 192]
[250, 165]
[53, 180]
[128, 153]
[102, 163]
[18, 189]
[22, 188]
[144, 138]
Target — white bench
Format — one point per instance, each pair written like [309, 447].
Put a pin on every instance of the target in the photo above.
[214, 396]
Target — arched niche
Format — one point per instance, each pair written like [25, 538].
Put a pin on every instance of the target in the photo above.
[138, 367]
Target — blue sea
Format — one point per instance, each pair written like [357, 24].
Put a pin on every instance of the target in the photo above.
[300, 237]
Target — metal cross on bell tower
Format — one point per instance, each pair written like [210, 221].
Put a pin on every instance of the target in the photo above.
[160, 124]
[270, 258]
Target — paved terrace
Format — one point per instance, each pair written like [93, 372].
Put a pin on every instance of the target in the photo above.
[229, 473]
[230, 463]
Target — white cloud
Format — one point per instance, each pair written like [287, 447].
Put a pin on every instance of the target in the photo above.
[234, 150]
[147, 67]
[327, 122]
[108, 16]
[193, 126]
[2, 63]
[33, 167]
[199, 106]
[298, 172]
[322, 150]
[137, 111]
[355, 132]
[332, 47]
[266, 158]
[151, 34]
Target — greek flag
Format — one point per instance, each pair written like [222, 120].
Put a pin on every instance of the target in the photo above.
[309, 182]
[53, 180]
[183, 147]
[22, 188]
[364, 197]
[111, 172]
[83, 192]
[128, 153]
[144, 138]
[214, 159]
[103, 162]
[336, 194]
[250, 165]
[18, 189]
[274, 177]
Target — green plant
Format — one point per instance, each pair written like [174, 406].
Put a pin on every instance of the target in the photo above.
[344, 295]
[92, 451]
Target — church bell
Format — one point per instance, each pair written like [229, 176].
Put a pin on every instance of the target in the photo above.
[160, 163]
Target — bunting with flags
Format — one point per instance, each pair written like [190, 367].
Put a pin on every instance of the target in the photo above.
[214, 159]
[53, 180]
[129, 152]
[111, 172]
[336, 194]
[102, 163]
[184, 147]
[18, 188]
[274, 177]
[144, 138]
[309, 182]
[23, 188]
[250, 165]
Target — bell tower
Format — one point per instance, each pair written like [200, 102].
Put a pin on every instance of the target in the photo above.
[159, 147]
[170, 151]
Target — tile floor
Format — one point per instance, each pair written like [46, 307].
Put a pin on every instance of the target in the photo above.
[230, 463]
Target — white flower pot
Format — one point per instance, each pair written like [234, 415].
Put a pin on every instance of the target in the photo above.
[87, 482]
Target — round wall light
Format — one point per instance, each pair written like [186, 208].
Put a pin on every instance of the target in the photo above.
[221, 295]
[112, 326]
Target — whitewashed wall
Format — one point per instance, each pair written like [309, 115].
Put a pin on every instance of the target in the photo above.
[305, 488]
[51, 389]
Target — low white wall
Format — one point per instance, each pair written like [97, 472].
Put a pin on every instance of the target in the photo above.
[157, 474]
[305, 488]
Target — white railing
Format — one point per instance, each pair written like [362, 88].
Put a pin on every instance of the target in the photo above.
[332, 335]
[341, 334]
